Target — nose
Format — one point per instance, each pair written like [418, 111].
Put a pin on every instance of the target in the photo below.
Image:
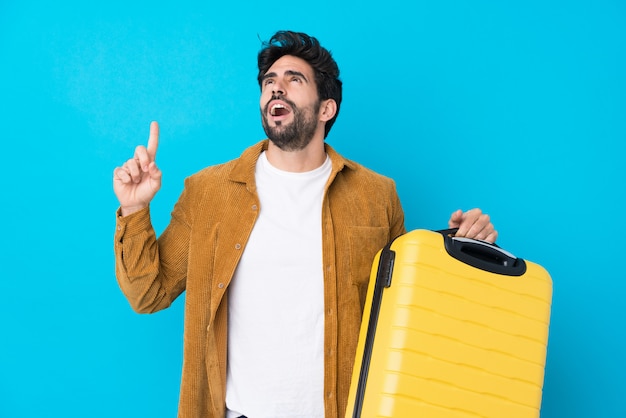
[277, 88]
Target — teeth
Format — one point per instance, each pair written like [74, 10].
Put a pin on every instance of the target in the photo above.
[276, 106]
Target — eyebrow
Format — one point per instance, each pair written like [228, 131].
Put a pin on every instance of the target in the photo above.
[288, 72]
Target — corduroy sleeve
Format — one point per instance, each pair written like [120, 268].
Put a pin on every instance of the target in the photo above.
[147, 278]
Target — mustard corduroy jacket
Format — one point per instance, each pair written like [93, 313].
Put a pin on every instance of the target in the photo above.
[199, 250]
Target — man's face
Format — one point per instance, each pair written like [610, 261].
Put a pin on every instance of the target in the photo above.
[290, 104]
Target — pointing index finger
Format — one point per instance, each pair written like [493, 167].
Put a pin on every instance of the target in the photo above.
[153, 140]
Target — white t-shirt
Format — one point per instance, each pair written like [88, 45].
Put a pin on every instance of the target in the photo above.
[276, 301]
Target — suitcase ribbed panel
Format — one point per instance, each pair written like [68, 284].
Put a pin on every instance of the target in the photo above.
[453, 340]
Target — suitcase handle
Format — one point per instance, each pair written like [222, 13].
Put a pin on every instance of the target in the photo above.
[482, 254]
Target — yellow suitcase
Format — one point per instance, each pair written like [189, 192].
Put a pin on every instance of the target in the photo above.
[452, 328]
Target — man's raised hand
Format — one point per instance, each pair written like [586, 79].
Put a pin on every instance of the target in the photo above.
[137, 181]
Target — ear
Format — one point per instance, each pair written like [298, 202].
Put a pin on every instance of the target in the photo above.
[328, 110]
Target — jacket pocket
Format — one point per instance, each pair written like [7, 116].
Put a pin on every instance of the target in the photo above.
[365, 242]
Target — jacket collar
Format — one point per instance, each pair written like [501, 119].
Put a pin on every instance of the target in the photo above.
[243, 170]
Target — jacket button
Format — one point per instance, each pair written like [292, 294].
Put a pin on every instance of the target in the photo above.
[221, 285]
[237, 246]
[254, 207]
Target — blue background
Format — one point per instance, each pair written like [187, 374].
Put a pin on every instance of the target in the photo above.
[516, 107]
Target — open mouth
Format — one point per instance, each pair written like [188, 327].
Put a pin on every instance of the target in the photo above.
[278, 109]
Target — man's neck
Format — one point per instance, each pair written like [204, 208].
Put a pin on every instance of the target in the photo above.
[307, 159]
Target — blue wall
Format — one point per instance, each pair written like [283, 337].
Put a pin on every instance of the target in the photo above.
[516, 107]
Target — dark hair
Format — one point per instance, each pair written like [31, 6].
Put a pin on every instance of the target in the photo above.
[309, 49]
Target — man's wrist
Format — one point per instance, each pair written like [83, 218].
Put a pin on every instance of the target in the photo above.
[129, 210]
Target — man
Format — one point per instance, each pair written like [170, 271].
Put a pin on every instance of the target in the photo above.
[273, 249]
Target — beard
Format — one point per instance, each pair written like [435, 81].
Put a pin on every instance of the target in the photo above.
[294, 136]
